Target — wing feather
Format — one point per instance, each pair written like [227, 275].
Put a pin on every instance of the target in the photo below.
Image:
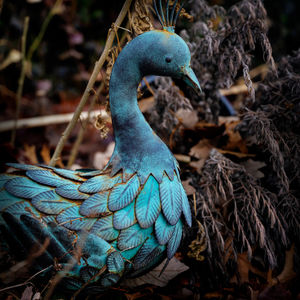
[148, 203]
[123, 194]
[170, 195]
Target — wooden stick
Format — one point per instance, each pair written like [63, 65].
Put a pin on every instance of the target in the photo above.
[21, 80]
[90, 84]
[80, 135]
[49, 120]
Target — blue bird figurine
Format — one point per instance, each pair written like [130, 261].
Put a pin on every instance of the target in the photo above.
[126, 218]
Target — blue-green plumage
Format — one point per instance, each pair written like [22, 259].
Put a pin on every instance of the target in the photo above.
[126, 218]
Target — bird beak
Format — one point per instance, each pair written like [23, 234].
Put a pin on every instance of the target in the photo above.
[191, 80]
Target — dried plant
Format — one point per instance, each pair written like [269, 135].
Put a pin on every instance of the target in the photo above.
[238, 215]
[162, 116]
[221, 43]
[272, 127]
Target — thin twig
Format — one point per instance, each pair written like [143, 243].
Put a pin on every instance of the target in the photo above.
[55, 9]
[21, 80]
[80, 135]
[49, 120]
[25, 282]
[90, 84]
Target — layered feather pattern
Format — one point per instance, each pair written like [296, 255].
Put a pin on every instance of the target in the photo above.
[118, 224]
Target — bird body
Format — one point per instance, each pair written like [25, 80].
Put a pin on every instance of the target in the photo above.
[124, 219]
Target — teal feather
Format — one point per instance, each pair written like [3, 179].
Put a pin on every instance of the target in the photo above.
[68, 174]
[170, 195]
[95, 205]
[99, 183]
[7, 199]
[109, 280]
[24, 188]
[70, 191]
[46, 177]
[163, 230]
[174, 241]
[115, 263]
[20, 208]
[130, 253]
[186, 207]
[104, 229]
[133, 236]
[123, 194]
[149, 251]
[124, 217]
[87, 273]
[50, 203]
[72, 219]
[23, 167]
[148, 203]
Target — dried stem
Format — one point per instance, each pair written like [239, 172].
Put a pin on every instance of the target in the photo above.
[38, 39]
[21, 79]
[48, 120]
[80, 135]
[90, 84]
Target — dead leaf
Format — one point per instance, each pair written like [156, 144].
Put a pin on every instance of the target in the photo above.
[27, 294]
[146, 104]
[235, 140]
[45, 154]
[13, 56]
[187, 117]
[244, 266]
[288, 272]
[190, 190]
[174, 268]
[253, 166]
[30, 154]
[198, 165]
[201, 150]
[36, 296]
[183, 158]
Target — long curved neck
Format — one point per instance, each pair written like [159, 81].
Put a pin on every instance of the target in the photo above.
[128, 122]
[138, 149]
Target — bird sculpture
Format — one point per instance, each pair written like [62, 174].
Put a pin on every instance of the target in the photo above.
[126, 218]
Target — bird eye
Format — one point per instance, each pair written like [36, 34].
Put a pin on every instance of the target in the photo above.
[168, 59]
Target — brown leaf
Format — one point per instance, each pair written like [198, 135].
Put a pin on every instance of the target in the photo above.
[45, 154]
[146, 104]
[253, 166]
[235, 140]
[201, 150]
[30, 154]
[244, 266]
[27, 294]
[187, 117]
[190, 190]
[198, 165]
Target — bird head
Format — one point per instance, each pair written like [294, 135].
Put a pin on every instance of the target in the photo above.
[167, 55]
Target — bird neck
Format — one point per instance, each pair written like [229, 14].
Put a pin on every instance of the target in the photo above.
[138, 149]
[127, 119]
